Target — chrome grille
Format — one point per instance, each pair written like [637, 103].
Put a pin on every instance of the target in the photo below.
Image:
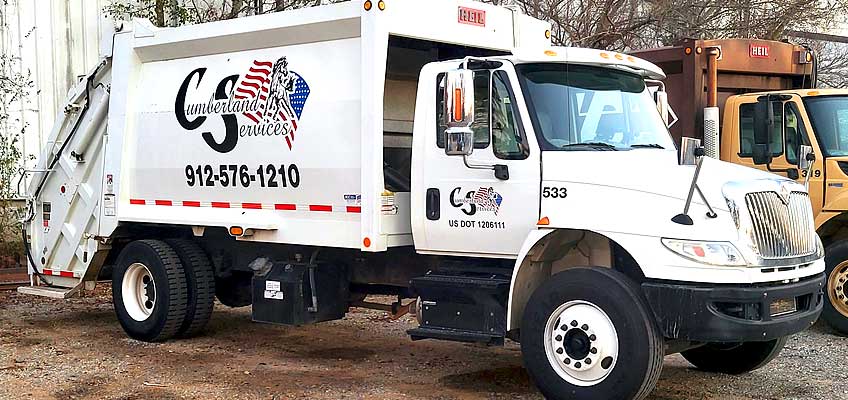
[782, 229]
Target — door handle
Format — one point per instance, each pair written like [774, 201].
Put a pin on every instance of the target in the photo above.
[433, 204]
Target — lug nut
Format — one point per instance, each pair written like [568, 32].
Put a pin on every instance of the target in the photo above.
[585, 327]
[593, 350]
[577, 365]
[567, 361]
[559, 351]
[587, 361]
[558, 338]
[574, 323]
[592, 337]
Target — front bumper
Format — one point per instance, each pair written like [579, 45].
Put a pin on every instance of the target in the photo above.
[733, 313]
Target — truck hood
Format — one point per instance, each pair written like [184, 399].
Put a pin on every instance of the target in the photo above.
[649, 171]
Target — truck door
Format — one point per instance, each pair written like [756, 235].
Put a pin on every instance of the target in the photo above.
[791, 130]
[468, 209]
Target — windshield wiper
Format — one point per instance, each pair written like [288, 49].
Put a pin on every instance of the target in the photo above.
[592, 145]
[647, 145]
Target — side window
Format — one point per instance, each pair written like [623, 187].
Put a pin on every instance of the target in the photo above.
[794, 132]
[480, 126]
[507, 136]
[746, 130]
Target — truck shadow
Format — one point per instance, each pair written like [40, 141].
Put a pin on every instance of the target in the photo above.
[511, 379]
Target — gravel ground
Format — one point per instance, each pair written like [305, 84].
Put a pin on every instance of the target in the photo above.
[50, 349]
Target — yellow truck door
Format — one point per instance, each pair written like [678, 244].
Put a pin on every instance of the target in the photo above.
[791, 130]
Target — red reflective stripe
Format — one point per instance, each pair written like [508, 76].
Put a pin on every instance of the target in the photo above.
[66, 274]
[163, 202]
[191, 204]
[254, 206]
[316, 207]
[220, 204]
[289, 207]
[137, 201]
[47, 272]
[354, 209]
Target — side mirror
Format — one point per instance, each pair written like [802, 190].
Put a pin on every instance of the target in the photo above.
[763, 126]
[690, 150]
[459, 112]
[805, 157]
[661, 99]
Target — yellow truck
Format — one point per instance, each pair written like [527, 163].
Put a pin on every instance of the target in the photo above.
[756, 103]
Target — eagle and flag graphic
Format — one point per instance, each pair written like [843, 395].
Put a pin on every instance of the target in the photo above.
[487, 199]
[282, 94]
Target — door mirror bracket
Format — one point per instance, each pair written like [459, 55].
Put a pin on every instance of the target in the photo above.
[763, 126]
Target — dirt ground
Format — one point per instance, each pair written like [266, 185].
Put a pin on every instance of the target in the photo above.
[51, 349]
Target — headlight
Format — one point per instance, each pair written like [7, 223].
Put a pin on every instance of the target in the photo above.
[715, 253]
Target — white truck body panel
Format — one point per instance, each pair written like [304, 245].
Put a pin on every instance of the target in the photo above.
[310, 172]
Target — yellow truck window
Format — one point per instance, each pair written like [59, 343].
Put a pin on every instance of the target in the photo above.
[794, 132]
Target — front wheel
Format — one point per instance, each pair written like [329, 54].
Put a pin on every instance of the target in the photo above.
[734, 358]
[587, 333]
[835, 311]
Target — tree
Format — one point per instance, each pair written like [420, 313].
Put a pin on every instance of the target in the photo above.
[14, 88]
[182, 12]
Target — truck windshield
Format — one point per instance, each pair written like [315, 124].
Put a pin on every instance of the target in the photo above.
[579, 107]
[829, 116]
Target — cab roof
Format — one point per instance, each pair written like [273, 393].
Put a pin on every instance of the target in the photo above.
[802, 92]
[579, 55]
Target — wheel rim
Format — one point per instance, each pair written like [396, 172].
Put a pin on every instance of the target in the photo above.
[836, 288]
[581, 343]
[138, 292]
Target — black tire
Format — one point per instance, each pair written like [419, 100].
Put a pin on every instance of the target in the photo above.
[168, 306]
[734, 358]
[235, 290]
[200, 285]
[640, 344]
[835, 254]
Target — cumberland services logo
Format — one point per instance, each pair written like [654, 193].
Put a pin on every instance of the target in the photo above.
[267, 100]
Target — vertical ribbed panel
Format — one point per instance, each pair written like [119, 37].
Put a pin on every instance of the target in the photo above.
[782, 230]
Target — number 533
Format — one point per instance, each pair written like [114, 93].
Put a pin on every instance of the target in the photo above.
[554, 192]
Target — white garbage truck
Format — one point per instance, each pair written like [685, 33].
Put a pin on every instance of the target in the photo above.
[438, 151]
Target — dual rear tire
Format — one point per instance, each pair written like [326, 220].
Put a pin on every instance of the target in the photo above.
[162, 289]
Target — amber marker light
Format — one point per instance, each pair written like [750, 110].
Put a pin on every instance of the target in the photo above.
[236, 231]
[367, 5]
[544, 221]
[457, 101]
[366, 242]
[381, 5]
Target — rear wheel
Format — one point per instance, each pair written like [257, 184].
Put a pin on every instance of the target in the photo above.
[835, 311]
[200, 285]
[587, 333]
[149, 290]
[734, 358]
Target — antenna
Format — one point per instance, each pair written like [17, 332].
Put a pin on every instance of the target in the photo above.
[684, 218]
